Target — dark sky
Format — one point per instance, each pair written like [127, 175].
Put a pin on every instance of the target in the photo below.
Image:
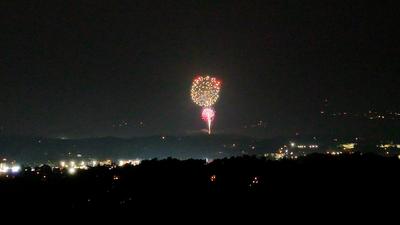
[76, 69]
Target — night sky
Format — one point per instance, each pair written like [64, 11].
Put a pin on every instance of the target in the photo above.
[70, 69]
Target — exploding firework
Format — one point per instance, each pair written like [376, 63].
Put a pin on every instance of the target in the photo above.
[205, 91]
[208, 115]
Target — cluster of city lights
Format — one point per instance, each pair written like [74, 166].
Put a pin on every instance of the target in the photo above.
[6, 168]
[309, 146]
[274, 156]
[293, 145]
[348, 146]
[390, 145]
[213, 178]
[72, 167]
[334, 152]
[133, 162]
[371, 115]
[292, 151]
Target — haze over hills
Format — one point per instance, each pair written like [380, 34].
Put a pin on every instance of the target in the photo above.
[37, 149]
[50, 150]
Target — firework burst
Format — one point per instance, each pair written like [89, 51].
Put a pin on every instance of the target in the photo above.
[205, 93]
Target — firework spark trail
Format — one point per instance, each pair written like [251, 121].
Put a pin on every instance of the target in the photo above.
[208, 116]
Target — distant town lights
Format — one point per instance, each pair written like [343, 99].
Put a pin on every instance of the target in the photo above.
[133, 162]
[72, 170]
[15, 169]
[5, 168]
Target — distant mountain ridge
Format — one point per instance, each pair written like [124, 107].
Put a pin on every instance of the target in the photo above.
[38, 149]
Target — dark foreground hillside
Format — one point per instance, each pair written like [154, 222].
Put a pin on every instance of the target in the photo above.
[318, 179]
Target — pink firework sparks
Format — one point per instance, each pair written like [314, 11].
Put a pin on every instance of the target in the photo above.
[208, 115]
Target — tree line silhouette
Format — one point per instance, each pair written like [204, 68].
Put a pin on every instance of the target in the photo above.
[356, 177]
